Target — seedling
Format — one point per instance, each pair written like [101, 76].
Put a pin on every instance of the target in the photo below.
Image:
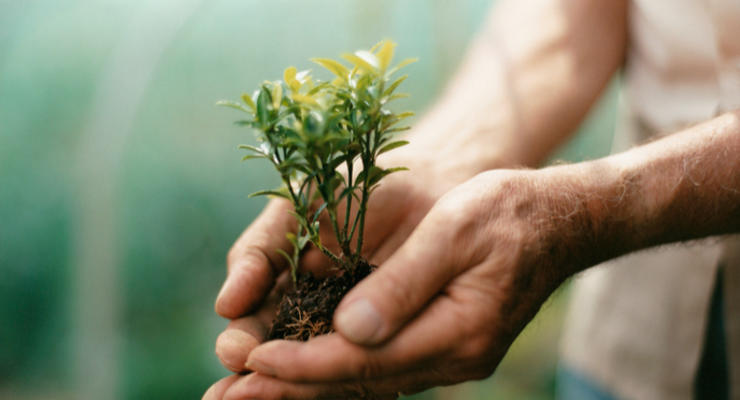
[324, 138]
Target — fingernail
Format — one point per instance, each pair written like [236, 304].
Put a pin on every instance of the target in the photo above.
[359, 321]
[223, 290]
[263, 368]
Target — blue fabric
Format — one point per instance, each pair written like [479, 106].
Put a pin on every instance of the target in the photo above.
[572, 385]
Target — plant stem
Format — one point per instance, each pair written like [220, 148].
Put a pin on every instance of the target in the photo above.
[347, 237]
[336, 260]
[366, 164]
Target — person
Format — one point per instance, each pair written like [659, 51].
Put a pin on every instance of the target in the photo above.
[472, 240]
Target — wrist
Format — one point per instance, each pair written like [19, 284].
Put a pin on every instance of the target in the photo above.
[594, 212]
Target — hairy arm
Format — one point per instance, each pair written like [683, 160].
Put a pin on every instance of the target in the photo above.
[525, 84]
[682, 187]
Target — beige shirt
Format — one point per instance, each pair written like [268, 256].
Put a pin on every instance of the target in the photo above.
[636, 324]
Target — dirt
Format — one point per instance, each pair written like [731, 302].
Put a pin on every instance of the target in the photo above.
[308, 309]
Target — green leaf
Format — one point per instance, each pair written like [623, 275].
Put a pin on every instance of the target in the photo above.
[282, 192]
[252, 148]
[374, 179]
[398, 96]
[333, 66]
[231, 104]
[392, 145]
[401, 129]
[245, 122]
[253, 156]
[394, 85]
[287, 257]
[301, 220]
[263, 101]
[318, 212]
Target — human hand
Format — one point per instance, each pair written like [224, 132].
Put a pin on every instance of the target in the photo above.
[445, 307]
[254, 266]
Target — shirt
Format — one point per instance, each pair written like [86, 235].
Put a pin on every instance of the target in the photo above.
[636, 324]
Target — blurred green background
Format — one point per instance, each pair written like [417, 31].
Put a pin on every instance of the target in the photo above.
[121, 188]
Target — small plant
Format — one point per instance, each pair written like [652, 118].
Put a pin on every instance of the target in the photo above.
[310, 129]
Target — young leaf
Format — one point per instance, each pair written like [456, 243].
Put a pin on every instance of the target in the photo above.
[394, 85]
[385, 54]
[398, 96]
[401, 65]
[333, 66]
[290, 79]
[253, 156]
[375, 178]
[360, 62]
[249, 102]
[376, 46]
[253, 148]
[231, 104]
[277, 95]
[300, 98]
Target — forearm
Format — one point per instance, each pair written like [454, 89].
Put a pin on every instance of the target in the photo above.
[685, 186]
[525, 84]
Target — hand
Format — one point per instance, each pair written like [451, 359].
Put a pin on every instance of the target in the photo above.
[394, 211]
[445, 307]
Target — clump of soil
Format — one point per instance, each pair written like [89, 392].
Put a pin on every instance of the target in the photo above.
[308, 309]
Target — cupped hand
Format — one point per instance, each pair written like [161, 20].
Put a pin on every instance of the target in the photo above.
[446, 305]
[256, 272]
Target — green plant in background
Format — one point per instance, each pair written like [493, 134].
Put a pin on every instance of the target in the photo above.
[310, 129]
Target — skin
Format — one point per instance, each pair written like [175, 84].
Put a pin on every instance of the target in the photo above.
[467, 252]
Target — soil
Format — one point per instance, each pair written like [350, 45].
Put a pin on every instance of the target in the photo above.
[308, 309]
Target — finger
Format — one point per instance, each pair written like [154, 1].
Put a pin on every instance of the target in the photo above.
[265, 387]
[253, 262]
[243, 334]
[427, 341]
[217, 390]
[379, 305]
[236, 342]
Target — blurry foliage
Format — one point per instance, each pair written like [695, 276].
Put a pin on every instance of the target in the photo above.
[180, 202]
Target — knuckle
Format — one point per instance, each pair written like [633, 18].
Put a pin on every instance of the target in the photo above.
[474, 349]
[358, 390]
[481, 371]
[369, 368]
[396, 295]
[252, 257]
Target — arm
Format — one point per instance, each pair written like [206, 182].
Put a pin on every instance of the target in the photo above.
[682, 187]
[525, 84]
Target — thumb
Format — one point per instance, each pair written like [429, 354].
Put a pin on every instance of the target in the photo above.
[391, 296]
[253, 264]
